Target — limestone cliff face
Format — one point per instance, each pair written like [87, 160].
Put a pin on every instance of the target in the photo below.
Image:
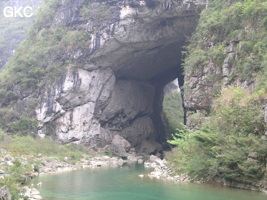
[112, 96]
[203, 84]
[219, 57]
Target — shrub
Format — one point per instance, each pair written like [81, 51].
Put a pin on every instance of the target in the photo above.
[12, 186]
[24, 125]
[229, 144]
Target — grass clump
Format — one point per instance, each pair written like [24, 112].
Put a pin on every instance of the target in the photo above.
[27, 145]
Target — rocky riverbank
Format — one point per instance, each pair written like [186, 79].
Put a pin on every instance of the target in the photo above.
[40, 165]
[55, 166]
[51, 165]
[162, 171]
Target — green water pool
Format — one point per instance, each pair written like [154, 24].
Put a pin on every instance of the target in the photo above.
[123, 183]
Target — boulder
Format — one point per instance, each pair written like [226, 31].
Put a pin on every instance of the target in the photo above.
[153, 158]
[9, 158]
[32, 193]
[119, 146]
[9, 163]
[149, 146]
[4, 193]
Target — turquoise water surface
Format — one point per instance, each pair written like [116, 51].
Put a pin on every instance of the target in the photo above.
[123, 183]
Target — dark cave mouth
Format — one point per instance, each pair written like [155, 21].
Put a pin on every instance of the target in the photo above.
[154, 57]
[158, 68]
[168, 113]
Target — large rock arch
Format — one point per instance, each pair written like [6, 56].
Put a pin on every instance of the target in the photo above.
[118, 85]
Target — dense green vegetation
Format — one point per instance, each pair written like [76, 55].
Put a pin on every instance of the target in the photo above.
[230, 143]
[43, 55]
[173, 112]
[14, 122]
[242, 22]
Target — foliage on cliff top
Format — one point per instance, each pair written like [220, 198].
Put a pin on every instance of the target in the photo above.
[227, 146]
[240, 22]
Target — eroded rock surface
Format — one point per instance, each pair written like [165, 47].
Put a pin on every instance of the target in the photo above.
[115, 89]
[204, 83]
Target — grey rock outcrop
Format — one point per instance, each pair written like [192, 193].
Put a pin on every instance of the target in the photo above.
[119, 146]
[4, 193]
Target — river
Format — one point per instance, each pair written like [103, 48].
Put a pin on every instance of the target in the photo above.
[123, 183]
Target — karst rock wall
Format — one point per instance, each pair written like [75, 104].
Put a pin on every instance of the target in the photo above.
[112, 97]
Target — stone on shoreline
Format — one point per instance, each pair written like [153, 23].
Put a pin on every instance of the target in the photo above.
[66, 159]
[141, 175]
[105, 161]
[9, 163]
[161, 171]
[32, 193]
[8, 158]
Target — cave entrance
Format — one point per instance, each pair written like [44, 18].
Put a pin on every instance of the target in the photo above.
[168, 104]
[145, 54]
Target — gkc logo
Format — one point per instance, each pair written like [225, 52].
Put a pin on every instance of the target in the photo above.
[18, 11]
